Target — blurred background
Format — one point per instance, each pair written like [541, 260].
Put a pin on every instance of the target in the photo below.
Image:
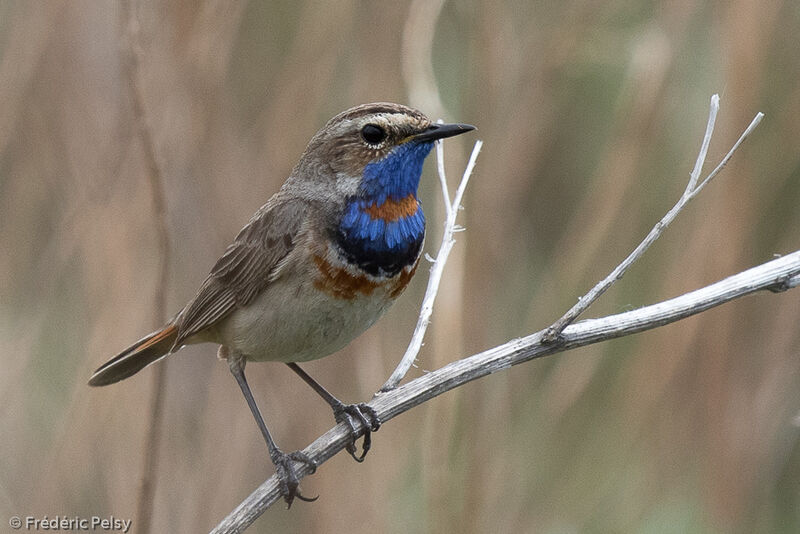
[592, 114]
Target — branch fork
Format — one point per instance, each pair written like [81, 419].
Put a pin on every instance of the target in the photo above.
[553, 332]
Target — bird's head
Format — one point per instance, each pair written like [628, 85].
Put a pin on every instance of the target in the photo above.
[363, 170]
[373, 151]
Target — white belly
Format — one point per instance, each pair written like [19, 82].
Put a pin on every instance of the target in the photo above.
[297, 324]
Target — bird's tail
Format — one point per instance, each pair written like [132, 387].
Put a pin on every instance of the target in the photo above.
[136, 357]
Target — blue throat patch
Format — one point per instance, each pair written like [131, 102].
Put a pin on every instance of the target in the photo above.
[383, 225]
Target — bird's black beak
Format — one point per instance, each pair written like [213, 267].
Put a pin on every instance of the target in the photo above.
[440, 131]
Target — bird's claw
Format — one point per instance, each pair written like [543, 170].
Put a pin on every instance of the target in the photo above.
[287, 475]
[367, 416]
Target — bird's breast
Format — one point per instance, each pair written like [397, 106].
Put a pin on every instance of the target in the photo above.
[381, 237]
[345, 281]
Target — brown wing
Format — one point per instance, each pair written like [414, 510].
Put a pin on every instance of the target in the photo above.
[247, 266]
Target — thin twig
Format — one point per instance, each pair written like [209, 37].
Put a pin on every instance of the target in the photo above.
[752, 126]
[554, 331]
[443, 177]
[132, 65]
[701, 157]
[772, 276]
[436, 270]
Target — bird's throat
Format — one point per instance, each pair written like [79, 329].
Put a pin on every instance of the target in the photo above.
[383, 226]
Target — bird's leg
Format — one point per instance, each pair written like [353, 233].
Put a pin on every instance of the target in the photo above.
[283, 462]
[365, 414]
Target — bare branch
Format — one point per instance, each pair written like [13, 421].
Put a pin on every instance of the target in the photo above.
[442, 176]
[752, 126]
[689, 193]
[776, 275]
[701, 157]
[438, 267]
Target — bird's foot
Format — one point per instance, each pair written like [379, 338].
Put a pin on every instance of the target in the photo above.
[367, 416]
[287, 475]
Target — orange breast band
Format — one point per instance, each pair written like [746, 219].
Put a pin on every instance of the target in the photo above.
[392, 210]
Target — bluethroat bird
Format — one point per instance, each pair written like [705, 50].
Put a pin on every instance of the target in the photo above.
[315, 267]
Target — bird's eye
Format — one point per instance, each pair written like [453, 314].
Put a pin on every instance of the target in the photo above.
[373, 134]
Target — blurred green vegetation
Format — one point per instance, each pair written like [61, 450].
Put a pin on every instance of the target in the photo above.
[591, 113]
